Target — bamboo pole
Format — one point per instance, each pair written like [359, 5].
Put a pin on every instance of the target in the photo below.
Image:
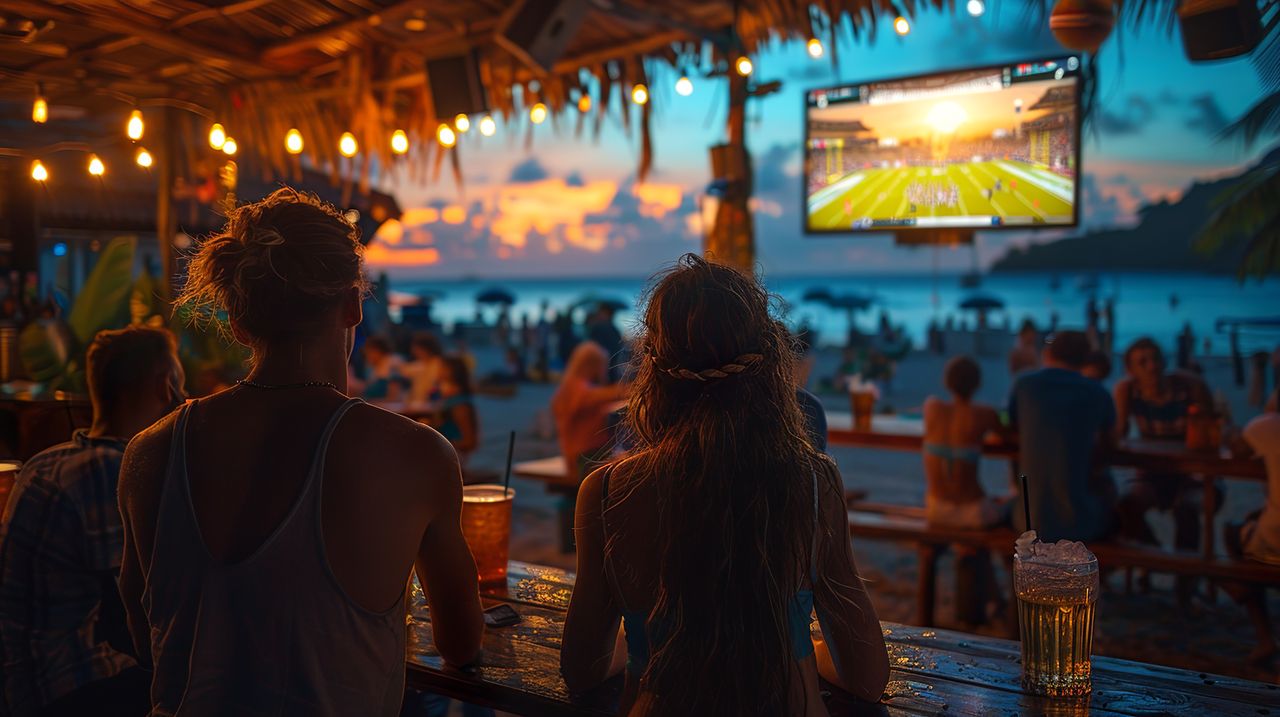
[732, 236]
[166, 224]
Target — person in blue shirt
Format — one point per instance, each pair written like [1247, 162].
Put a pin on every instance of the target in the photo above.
[1063, 420]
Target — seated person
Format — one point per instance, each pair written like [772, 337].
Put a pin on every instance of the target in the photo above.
[954, 432]
[1097, 366]
[1157, 403]
[458, 422]
[423, 373]
[1025, 355]
[712, 544]
[64, 644]
[384, 379]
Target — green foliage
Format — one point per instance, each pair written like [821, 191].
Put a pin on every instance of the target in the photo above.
[1248, 211]
[46, 348]
[103, 301]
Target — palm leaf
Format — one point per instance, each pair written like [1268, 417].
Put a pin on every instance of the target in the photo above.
[103, 301]
[1262, 119]
[1248, 210]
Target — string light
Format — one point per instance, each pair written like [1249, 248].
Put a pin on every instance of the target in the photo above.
[744, 66]
[462, 123]
[814, 46]
[584, 103]
[293, 141]
[488, 126]
[684, 86]
[976, 8]
[96, 167]
[144, 157]
[347, 145]
[445, 136]
[40, 108]
[901, 26]
[538, 113]
[640, 94]
[399, 142]
[217, 136]
[229, 147]
[134, 127]
[38, 172]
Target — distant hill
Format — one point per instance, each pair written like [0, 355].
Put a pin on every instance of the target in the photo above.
[1160, 242]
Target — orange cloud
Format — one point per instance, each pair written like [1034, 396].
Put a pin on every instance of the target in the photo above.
[549, 206]
[656, 200]
[391, 233]
[380, 255]
[454, 214]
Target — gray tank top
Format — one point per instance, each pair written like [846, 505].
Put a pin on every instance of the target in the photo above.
[273, 634]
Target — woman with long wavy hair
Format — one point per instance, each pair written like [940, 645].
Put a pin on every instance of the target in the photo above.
[716, 537]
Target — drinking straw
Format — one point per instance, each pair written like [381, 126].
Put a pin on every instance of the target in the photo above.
[511, 448]
[1026, 500]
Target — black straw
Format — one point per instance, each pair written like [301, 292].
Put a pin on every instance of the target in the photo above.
[511, 449]
[1026, 500]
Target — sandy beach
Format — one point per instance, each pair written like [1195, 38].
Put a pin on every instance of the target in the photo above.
[1148, 627]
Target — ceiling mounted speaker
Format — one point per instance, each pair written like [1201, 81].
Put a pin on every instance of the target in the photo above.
[1218, 29]
[455, 85]
[537, 31]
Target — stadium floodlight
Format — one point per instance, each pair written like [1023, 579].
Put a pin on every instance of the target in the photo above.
[946, 117]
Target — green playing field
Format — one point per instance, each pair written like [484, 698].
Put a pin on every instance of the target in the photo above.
[1026, 194]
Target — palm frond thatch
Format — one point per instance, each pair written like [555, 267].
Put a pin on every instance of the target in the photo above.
[1248, 212]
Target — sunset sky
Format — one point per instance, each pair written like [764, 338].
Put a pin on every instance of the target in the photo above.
[564, 205]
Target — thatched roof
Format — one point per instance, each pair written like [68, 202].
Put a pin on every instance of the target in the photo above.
[260, 67]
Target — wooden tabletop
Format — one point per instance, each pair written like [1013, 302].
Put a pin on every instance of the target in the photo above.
[934, 671]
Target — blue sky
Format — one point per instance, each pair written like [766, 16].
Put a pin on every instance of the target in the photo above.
[565, 204]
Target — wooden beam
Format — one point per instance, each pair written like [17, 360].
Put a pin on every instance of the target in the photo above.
[335, 30]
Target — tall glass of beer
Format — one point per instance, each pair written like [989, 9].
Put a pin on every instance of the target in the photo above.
[486, 524]
[1057, 587]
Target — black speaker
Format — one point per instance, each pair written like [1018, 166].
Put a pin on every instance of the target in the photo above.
[537, 31]
[1218, 29]
[455, 86]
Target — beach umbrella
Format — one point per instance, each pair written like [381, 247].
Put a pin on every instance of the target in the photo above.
[495, 295]
[817, 295]
[850, 302]
[982, 303]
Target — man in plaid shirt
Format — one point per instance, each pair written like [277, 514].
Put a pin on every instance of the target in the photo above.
[63, 639]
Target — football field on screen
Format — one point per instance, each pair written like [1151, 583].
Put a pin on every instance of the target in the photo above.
[1026, 194]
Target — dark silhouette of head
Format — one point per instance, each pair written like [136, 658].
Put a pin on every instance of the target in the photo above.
[962, 376]
[1067, 349]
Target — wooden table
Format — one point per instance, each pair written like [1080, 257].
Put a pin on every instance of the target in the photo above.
[933, 671]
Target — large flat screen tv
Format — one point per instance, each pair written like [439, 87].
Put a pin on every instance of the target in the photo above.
[985, 148]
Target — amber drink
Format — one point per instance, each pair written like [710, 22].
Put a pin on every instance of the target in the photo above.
[486, 524]
[1057, 588]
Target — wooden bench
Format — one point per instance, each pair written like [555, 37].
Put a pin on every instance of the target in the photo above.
[906, 524]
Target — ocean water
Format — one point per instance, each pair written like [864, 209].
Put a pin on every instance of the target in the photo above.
[1156, 305]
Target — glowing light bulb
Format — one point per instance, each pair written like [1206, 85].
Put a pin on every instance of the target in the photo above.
[446, 136]
[40, 111]
[38, 172]
[217, 136]
[399, 142]
[96, 167]
[144, 157]
[538, 113]
[293, 141]
[901, 26]
[976, 8]
[684, 86]
[744, 66]
[584, 103]
[134, 127]
[229, 147]
[462, 123]
[488, 126]
[347, 145]
[814, 46]
[640, 94]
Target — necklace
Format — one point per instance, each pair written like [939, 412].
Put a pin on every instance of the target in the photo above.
[274, 386]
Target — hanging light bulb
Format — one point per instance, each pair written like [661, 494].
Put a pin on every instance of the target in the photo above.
[134, 127]
[399, 142]
[584, 103]
[744, 66]
[684, 86]
[40, 108]
[640, 94]
[38, 172]
[144, 157]
[814, 46]
[347, 145]
[229, 147]
[901, 26]
[217, 136]
[538, 113]
[462, 123]
[293, 141]
[976, 8]
[488, 126]
[96, 167]
[445, 136]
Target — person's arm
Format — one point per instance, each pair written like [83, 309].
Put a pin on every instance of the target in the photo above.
[591, 651]
[596, 395]
[448, 572]
[464, 416]
[852, 653]
[1121, 395]
[138, 493]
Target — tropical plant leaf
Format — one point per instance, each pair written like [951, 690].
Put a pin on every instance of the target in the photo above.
[1247, 211]
[144, 300]
[103, 301]
[46, 347]
[1262, 119]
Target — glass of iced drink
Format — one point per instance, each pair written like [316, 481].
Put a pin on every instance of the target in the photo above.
[486, 524]
[1057, 587]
